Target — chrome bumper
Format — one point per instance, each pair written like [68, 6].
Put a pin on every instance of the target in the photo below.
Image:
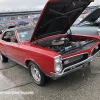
[73, 68]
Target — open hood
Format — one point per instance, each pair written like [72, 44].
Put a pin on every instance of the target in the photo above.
[92, 17]
[58, 16]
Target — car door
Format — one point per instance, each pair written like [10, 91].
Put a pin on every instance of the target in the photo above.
[11, 47]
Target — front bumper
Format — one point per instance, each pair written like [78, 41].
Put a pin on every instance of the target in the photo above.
[74, 67]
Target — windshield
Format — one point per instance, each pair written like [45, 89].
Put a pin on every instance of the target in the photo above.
[25, 34]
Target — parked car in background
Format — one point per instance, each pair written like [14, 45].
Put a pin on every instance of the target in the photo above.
[88, 25]
[45, 49]
[98, 30]
[77, 21]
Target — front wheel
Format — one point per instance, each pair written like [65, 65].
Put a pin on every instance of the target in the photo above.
[38, 76]
[3, 58]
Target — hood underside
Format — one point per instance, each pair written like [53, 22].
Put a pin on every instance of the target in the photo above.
[92, 17]
[58, 16]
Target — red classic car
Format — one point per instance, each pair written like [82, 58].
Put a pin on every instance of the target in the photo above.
[45, 49]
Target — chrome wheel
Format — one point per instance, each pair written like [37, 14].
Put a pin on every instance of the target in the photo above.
[38, 76]
[35, 73]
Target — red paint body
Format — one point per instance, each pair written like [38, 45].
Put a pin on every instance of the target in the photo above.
[43, 57]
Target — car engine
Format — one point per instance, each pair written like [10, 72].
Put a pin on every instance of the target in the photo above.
[66, 45]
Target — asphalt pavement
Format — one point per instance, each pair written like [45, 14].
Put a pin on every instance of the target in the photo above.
[83, 84]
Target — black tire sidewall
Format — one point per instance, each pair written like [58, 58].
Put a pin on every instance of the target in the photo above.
[4, 58]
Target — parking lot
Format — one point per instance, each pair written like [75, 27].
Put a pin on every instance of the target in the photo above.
[80, 85]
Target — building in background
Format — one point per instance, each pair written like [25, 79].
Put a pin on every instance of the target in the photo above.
[88, 10]
[12, 18]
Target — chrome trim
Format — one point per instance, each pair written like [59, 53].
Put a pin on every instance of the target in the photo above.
[94, 48]
[22, 29]
[33, 61]
[76, 55]
[18, 37]
[18, 62]
[10, 42]
[58, 56]
[8, 31]
[71, 60]
[72, 68]
[37, 65]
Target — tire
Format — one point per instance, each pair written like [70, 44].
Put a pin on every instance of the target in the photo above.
[38, 76]
[3, 58]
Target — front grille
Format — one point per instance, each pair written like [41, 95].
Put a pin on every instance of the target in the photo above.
[95, 50]
[74, 59]
[79, 66]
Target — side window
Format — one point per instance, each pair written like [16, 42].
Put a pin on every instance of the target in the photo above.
[10, 36]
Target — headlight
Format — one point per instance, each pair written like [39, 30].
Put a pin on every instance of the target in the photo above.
[58, 63]
[57, 60]
[58, 68]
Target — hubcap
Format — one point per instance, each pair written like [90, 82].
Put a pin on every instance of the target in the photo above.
[35, 73]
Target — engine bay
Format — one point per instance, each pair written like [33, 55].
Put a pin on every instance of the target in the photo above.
[66, 45]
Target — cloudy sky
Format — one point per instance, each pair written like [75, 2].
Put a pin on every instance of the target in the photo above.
[22, 5]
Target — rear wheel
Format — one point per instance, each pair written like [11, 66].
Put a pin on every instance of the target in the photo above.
[3, 58]
[38, 76]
